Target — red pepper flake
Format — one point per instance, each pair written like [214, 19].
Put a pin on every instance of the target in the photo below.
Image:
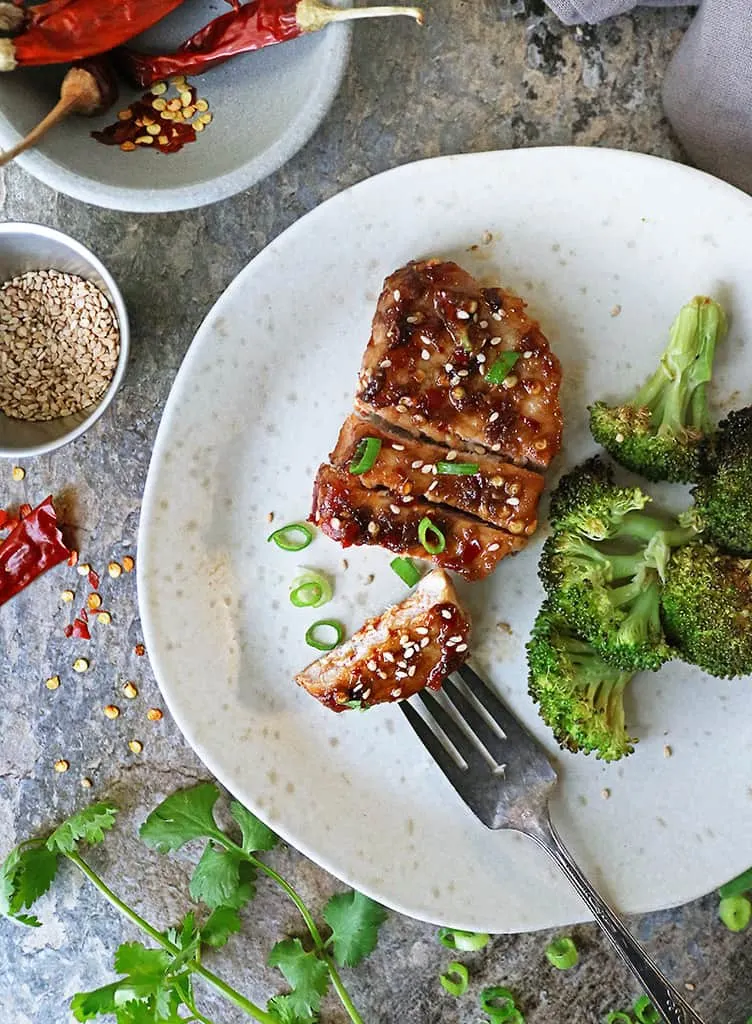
[73, 558]
[93, 580]
[34, 546]
[79, 630]
[140, 650]
[68, 631]
[83, 614]
[158, 122]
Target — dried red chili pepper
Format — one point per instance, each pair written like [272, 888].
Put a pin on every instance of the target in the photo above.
[62, 31]
[34, 546]
[89, 88]
[251, 27]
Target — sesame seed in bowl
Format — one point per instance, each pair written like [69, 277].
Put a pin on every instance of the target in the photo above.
[63, 339]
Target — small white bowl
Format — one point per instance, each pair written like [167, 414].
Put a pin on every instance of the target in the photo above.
[25, 247]
[265, 106]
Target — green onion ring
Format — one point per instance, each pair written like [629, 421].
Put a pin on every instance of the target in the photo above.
[455, 979]
[562, 953]
[735, 912]
[498, 1003]
[457, 468]
[645, 1012]
[310, 589]
[502, 367]
[425, 526]
[618, 1017]
[406, 570]
[365, 455]
[281, 539]
[321, 645]
[467, 942]
[737, 886]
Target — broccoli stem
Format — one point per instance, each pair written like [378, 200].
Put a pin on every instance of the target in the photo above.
[676, 394]
[643, 621]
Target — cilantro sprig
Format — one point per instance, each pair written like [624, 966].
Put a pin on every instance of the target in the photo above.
[155, 984]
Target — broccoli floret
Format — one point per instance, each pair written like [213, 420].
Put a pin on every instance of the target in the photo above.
[588, 501]
[707, 609]
[658, 433]
[723, 496]
[578, 694]
[608, 589]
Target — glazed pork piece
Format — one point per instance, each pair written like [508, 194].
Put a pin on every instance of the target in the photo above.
[436, 338]
[414, 644]
[350, 513]
[499, 493]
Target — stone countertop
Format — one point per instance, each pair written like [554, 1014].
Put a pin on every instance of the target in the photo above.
[483, 74]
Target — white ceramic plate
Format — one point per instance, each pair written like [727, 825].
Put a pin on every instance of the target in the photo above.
[266, 106]
[606, 246]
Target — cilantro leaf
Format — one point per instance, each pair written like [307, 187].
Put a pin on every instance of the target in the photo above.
[187, 814]
[307, 976]
[256, 835]
[26, 874]
[185, 933]
[141, 963]
[281, 1008]
[88, 1005]
[137, 1013]
[355, 921]
[219, 926]
[88, 826]
[222, 879]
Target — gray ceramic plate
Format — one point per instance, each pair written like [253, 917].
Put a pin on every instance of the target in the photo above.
[266, 106]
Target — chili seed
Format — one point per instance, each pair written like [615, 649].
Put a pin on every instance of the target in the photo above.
[144, 140]
[62, 765]
[86, 783]
[154, 129]
[111, 711]
[163, 140]
[139, 650]
[206, 118]
[83, 569]
[80, 665]
[186, 98]
[127, 147]
[159, 89]
[174, 105]
[93, 601]
[189, 111]
[114, 569]
[104, 618]
[202, 105]
[52, 683]
[159, 105]
[605, 793]
[154, 715]
[199, 126]
[135, 746]
[67, 596]
[125, 115]
[18, 473]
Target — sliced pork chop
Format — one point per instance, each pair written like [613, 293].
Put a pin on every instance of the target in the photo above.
[436, 336]
[350, 513]
[414, 644]
[498, 492]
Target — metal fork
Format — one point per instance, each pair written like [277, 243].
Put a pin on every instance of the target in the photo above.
[515, 796]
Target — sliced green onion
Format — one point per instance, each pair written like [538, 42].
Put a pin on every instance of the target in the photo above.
[433, 547]
[455, 980]
[310, 590]
[735, 912]
[356, 705]
[502, 367]
[737, 886]
[618, 1017]
[406, 570]
[457, 468]
[562, 953]
[323, 645]
[467, 942]
[645, 1012]
[365, 455]
[499, 1004]
[282, 538]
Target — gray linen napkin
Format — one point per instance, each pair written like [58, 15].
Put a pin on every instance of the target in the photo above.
[707, 91]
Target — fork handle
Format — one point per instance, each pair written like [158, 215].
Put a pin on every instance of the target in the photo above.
[664, 997]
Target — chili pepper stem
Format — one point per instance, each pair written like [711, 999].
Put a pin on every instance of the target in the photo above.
[11, 17]
[59, 112]
[313, 15]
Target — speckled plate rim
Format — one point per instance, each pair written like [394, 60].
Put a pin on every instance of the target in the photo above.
[149, 572]
[335, 54]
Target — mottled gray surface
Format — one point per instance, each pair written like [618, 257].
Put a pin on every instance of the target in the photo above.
[483, 74]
